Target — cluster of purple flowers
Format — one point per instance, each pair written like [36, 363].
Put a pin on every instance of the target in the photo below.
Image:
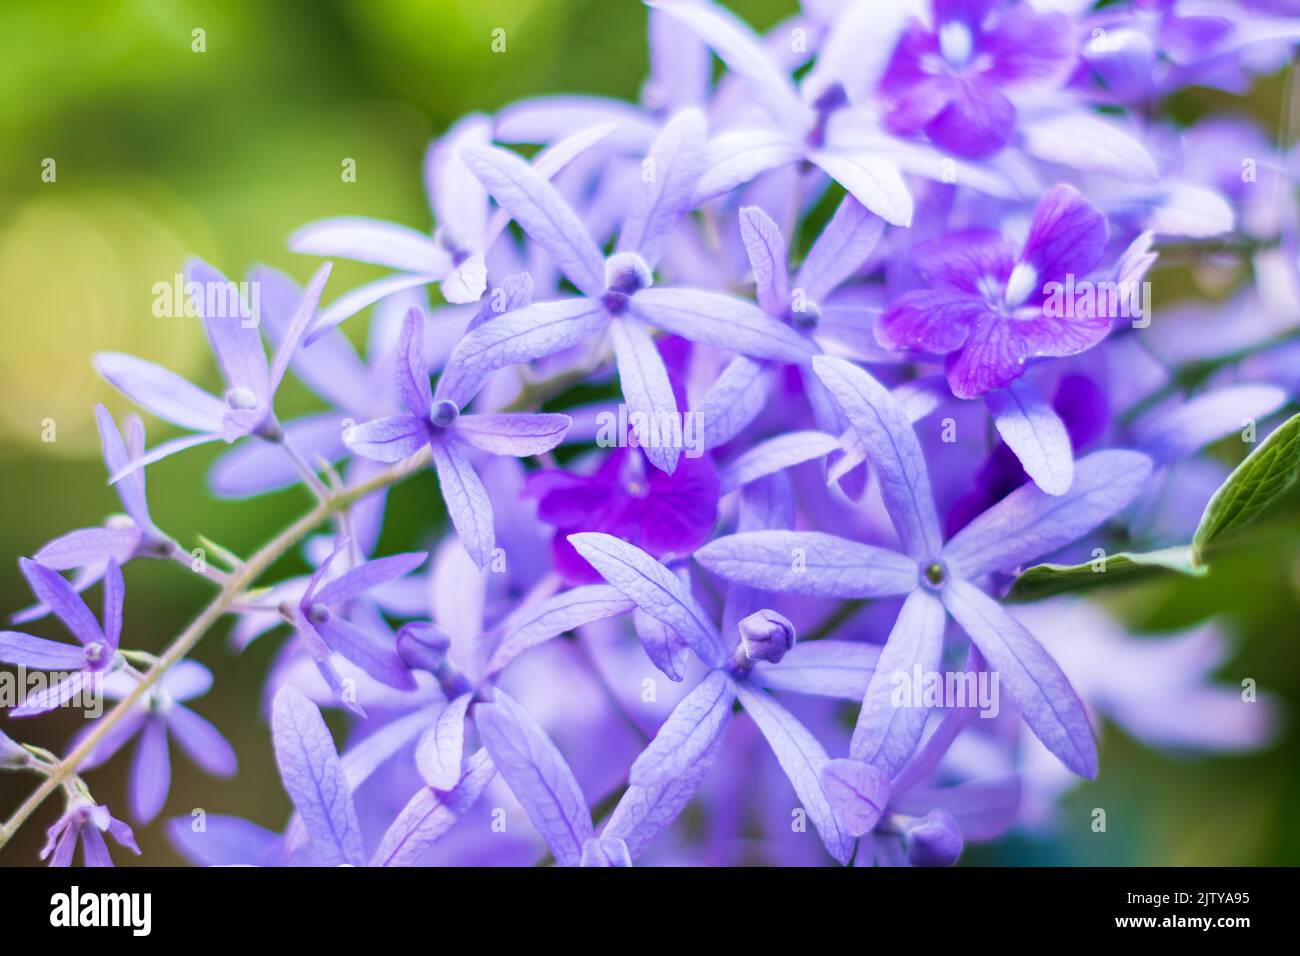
[879, 345]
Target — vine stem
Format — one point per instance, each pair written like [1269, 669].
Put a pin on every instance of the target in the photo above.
[234, 584]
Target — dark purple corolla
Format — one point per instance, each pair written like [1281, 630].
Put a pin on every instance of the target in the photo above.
[949, 77]
[665, 515]
[990, 306]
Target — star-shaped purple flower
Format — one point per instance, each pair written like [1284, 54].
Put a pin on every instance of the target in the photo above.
[438, 424]
[97, 654]
[938, 578]
[947, 77]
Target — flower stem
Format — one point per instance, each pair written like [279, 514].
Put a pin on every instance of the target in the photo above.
[234, 585]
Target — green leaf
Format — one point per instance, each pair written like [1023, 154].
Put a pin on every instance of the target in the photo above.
[1256, 483]
[1047, 580]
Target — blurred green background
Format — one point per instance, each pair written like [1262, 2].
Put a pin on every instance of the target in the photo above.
[162, 152]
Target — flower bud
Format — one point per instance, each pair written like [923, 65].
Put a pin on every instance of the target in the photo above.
[933, 840]
[422, 646]
[240, 398]
[766, 636]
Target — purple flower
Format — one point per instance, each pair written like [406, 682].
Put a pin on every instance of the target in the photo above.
[947, 78]
[319, 621]
[159, 714]
[909, 820]
[988, 306]
[437, 423]
[88, 663]
[87, 822]
[456, 255]
[937, 577]
[246, 408]
[123, 537]
[665, 776]
[795, 132]
[664, 514]
[617, 294]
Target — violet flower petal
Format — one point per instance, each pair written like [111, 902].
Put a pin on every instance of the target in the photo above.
[802, 758]
[313, 776]
[538, 776]
[1029, 523]
[467, 501]
[698, 720]
[1032, 429]
[1038, 689]
[888, 731]
[654, 588]
[647, 391]
[893, 450]
[812, 563]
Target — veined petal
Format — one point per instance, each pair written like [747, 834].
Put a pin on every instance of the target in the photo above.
[89, 546]
[766, 251]
[542, 212]
[538, 776]
[1038, 689]
[532, 332]
[377, 658]
[1032, 429]
[232, 329]
[841, 248]
[521, 435]
[655, 589]
[825, 668]
[388, 439]
[313, 776]
[893, 450]
[809, 562]
[802, 758]
[734, 158]
[929, 320]
[367, 575]
[874, 181]
[742, 50]
[52, 590]
[467, 501]
[350, 303]
[652, 407]
[721, 321]
[777, 454]
[734, 400]
[440, 751]
[555, 616]
[38, 653]
[164, 393]
[693, 727]
[677, 159]
[117, 456]
[431, 813]
[302, 319]
[411, 374]
[890, 725]
[1029, 523]
[372, 240]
